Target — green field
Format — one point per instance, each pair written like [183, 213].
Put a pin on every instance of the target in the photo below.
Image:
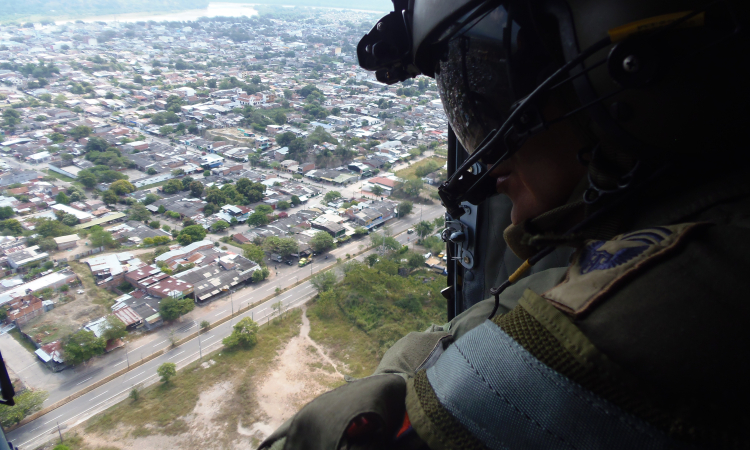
[410, 172]
[59, 176]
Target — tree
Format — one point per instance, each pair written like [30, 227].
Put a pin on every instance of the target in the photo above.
[81, 131]
[172, 308]
[371, 259]
[11, 227]
[321, 241]
[206, 173]
[260, 275]
[6, 212]
[154, 224]
[151, 171]
[331, 196]
[109, 197]
[62, 198]
[114, 328]
[11, 117]
[196, 189]
[83, 346]
[101, 238]
[173, 186]
[283, 205]
[205, 325]
[122, 187]
[257, 219]
[196, 232]
[244, 334]
[377, 190]
[253, 253]
[166, 371]
[404, 208]
[433, 244]
[219, 226]
[150, 198]
[87, 178]
[27, 402]
[295, 200]
[323, 281]
[70, 220]
[414, 260]
[412, 187]
[282, 246]
[139, 212]
[97, 144]
[423, 228]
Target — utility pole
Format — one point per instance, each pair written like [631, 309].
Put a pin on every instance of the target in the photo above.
[58, 430]
[126, 357]
[200, 350]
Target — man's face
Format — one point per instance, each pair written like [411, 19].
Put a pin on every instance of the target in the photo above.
[543, 173]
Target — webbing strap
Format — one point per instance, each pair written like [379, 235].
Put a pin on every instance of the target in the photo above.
[508, 399]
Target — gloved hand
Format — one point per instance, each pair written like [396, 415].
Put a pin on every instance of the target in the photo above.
[364, 414]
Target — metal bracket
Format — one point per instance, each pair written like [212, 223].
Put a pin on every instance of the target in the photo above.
[461, 233]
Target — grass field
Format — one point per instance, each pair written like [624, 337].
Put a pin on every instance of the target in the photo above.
[149, 186]
[59, 176]
[409, 172]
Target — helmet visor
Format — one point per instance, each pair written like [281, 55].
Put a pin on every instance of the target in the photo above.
[485, 67]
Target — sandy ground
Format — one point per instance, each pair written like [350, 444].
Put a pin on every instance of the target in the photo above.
[301, 371]
[299, 375]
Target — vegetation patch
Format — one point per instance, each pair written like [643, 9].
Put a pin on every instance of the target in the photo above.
[59, 176]
[371, 308]
[421, 168]
[97, 295]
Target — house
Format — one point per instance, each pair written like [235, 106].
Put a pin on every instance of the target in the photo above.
[22, 309]
[66, 242]
[334, 229]
[51, 356]
[110, 269]
[184, 252]
[53, 280]
[21, 259]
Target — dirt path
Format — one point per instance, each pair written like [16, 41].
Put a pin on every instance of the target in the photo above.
[302, 371]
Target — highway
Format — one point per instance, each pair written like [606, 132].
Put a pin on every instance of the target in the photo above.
[44, 428]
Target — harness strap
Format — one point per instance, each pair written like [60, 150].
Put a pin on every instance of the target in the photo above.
[508, 399]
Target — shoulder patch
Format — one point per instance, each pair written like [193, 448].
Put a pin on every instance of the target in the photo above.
[601, 266]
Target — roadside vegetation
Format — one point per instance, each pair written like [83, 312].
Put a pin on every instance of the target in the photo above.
[362, 316]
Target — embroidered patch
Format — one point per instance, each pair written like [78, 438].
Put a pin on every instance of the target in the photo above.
[601, 265]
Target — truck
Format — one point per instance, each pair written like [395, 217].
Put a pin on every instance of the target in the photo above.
[304, 261]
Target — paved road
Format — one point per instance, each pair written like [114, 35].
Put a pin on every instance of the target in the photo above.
[44, 428]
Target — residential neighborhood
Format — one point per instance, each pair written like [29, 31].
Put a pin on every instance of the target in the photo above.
[151, 172]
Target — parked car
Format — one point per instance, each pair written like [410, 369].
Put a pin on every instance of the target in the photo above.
[289, 262]
[410, 231]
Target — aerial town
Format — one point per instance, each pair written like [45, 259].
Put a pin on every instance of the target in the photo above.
[151, 171]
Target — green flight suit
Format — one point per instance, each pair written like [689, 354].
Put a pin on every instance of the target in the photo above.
[661, 298]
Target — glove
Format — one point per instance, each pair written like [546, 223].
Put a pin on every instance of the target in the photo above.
[364, 414]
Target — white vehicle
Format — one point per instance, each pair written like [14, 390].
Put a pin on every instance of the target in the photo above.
[80, 291]
[427, 255]
[410, 231]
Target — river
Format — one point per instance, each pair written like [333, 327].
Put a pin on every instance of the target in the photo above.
[214, 9]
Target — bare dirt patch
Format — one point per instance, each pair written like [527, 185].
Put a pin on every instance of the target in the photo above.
[298, 376]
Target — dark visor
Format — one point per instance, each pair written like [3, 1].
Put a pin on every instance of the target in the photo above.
[487, 63]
